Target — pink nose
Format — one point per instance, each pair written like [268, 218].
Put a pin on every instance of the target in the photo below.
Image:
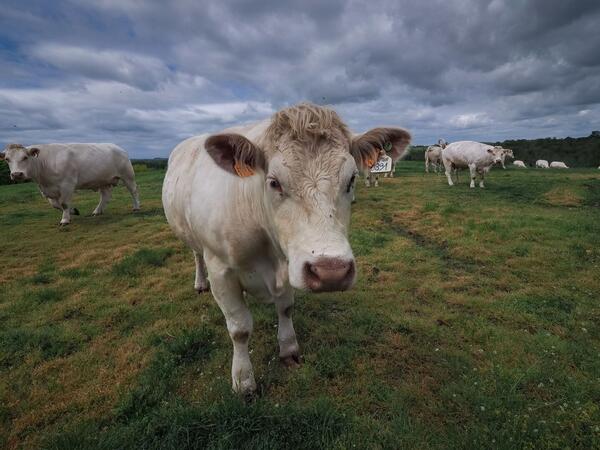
[329, 274]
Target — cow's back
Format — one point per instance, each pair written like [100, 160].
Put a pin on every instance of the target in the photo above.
[89, 165]
[464, 153]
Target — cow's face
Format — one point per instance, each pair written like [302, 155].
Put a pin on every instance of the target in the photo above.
[20, 160]
[496, 153]
[308, 190]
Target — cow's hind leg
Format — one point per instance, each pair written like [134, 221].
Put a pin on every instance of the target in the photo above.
[131, 186]
[105, 195]
[226, 290]
[200, 283]
[289, 351]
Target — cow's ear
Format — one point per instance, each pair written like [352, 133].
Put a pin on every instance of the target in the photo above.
[33, 151]
[236, 154]
[365, 147]
[2, 156]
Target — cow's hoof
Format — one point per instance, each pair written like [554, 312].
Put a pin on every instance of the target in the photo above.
[95, 213]
[202, 289]
[291, 361]
[76, 211]
[136, 209]
[63, 224]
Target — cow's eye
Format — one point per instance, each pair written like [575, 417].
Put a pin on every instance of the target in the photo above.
[274, 184]
[24, 158]
[351, 183]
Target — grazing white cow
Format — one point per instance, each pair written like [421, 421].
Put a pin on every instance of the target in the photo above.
[542, 164]
[433, 155]
[478, 158]
[266, 208]
[506, 153]
[519, 163]
[558, 165]
[60, 169]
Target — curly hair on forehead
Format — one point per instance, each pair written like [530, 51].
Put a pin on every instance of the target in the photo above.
[307, 122]
[14, 146]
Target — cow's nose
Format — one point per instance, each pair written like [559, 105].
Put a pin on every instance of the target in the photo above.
[329, 274]
[17, 175]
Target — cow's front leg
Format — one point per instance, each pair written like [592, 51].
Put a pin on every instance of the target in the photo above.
[482, 175]
[227, 292]
[449, 169]
[393, 170]
[200, 282]
[376, 180]
[473, 171]
[289, 351]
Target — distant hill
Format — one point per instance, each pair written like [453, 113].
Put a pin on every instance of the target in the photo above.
[575, 152]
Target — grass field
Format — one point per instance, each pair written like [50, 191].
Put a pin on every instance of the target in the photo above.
[475, 323]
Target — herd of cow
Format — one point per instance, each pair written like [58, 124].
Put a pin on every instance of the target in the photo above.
[265, 208]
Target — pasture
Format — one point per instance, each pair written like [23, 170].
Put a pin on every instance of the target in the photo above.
[475, 323]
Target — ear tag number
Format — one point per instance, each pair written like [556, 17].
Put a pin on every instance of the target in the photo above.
[243, 170]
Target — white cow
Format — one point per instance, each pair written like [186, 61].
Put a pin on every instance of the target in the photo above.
[478, 158]
[506, 153]
[265, 209]
[60, 169]
[542, 164]
[433, 155]
[558, 165]
[519, 163]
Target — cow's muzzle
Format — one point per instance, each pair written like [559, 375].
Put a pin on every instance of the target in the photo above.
[17, 176]
[329, 274]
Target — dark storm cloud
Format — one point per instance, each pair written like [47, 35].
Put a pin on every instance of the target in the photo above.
[147, 74]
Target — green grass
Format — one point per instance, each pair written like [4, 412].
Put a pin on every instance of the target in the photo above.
[474, 324]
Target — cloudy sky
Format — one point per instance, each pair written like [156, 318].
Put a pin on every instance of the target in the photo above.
[146, 76]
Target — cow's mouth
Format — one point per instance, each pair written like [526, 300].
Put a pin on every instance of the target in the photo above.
[329, 274]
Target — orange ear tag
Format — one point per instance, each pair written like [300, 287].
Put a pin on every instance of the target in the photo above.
[243, 170]
[370, 162]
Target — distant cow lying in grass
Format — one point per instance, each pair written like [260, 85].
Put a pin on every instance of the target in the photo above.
[558, 165]
[60, 169]
[266, 208]
[541, 164]
[519, 163]
[478, 158]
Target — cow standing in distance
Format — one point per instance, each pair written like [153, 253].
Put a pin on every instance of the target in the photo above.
[433, 155]
[506, 153]
[265, 209]
[541, 164]
[477, 157]
[558, 165]
[60, 169]
[519, 163]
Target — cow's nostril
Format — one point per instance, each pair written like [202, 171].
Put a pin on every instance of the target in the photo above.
[329, 274]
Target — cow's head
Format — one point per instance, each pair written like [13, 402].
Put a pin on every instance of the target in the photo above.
[20, 160]
[442, 143]
[309, 162]
[508, 153]
[496, 154]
